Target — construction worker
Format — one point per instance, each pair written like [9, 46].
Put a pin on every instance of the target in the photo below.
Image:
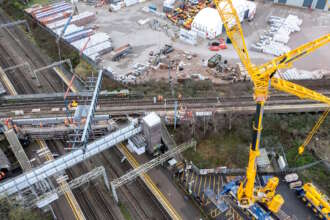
[2, 175]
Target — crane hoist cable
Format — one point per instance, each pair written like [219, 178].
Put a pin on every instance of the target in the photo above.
[263, 77]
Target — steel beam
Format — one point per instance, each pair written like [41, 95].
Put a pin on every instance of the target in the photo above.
[40, 173]
[51, 120]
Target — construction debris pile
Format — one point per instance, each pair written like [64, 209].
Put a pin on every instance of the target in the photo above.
[274, 40]
[59, 18]
[157, 60]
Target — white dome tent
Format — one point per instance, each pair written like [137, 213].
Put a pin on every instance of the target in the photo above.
[207, 23]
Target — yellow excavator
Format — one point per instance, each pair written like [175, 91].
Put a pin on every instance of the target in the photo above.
[263, 78]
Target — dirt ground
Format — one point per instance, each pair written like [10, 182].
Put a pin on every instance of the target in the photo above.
[123, 28]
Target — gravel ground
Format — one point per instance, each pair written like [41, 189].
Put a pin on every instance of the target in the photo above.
[123, 28]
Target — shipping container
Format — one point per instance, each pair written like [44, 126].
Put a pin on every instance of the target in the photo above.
[321, 4]
[307, 3]
[297, 3]
[130, 2]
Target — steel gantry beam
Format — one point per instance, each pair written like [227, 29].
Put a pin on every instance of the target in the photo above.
[45, 199]
[148, 166]
[51, 120]
[33, 75]
[18, 22]
[67, 61]
[40, 173]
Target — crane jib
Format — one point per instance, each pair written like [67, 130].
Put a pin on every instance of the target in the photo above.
[295, 57]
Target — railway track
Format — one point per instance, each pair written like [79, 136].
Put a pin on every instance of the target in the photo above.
[131, 191]
[94, 200]
[24, 51]
[146, 103]
[16, 76]
[131, 101]
[116, 110]
[113, 172]
[97, 199]
[24, 84]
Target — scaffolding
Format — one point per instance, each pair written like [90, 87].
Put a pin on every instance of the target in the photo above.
[91, 111]
[80, 139]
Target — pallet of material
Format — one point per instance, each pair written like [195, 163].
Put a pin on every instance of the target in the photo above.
[100, 49]
[37, 8]
[53, 11]
[71, 29]
[91, 41]
[80, 20]
[79, 35]
[295, 74]
[94, 57]
[56, 17]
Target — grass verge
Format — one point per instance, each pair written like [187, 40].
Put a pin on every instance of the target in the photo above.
[125, 211]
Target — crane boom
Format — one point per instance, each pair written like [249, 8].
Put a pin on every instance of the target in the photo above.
[234, 31]
[286, 60]
[316, 127]
[262, 77]
[297, 90]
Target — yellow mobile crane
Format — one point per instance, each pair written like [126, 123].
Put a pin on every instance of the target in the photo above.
[262, 77]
